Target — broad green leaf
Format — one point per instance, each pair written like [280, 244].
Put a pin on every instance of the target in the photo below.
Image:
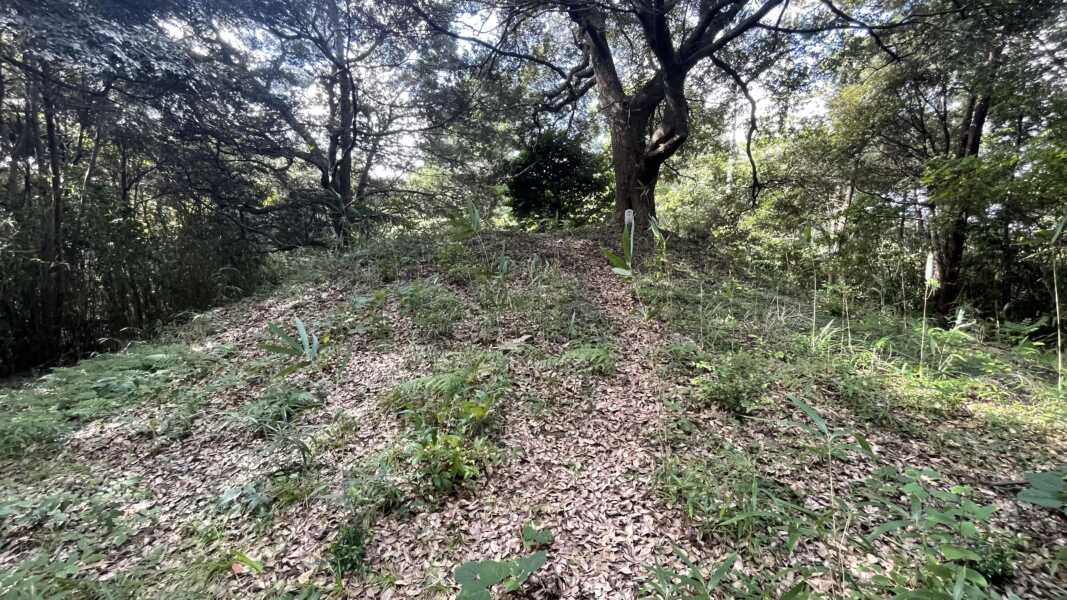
[614, 259]
[811, 412]
[1047, 489]
[534, 538]
[885, 528]
[951, 552]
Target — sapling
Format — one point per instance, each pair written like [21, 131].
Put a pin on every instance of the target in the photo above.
[815, 282]
[1056, 301]
[623, 266]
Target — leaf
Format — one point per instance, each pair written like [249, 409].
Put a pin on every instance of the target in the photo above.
[536, 538]
[812, 414]
[653, 225]
[951, 552]
[957, 588]
[622, 272]
[865, 446]
[614, 259]
[721, 571]
[302, 332]
[241, 558]
[796, 592]
[885, 528]
[1046, 488]
[1059, 230]
[628, 244]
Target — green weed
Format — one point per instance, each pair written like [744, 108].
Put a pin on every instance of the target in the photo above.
[348, 553]
[274, 410]
[597, 359]
[433, 308]
[736, 381]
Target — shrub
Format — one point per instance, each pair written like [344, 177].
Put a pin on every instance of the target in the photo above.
[683, 356]
[737, 382]
[557, 180]
[448, 461]
[460, 395]
[348, 553]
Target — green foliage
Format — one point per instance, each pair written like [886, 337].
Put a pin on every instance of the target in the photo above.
[275, 409]
[301, 349]
[433, 308]
[736, 381]
[1047, 489]
[683, 356]
[534, 538]
[365, 317]
[477, 578]
[40, 414]
[262, 498]
[448, 461]
[348, 553]
[556, 305]
[726, 494]
[623, 266]
[691, 584]
[371, 490]
[598, 359]
[556, 180]
[465, 224]
[953, 551]
[44, 577]
[460, 395]
[73, 526]
[450, 413]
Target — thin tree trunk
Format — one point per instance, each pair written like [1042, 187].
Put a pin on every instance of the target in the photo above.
[54, 297]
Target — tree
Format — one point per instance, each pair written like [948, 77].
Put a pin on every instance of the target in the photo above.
[927, 117]
[641, 55]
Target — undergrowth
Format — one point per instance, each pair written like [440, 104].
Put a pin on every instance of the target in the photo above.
[40, 414]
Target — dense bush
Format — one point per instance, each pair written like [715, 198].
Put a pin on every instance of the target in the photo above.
[558, 179]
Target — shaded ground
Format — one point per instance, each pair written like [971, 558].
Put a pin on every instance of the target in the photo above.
[222, 511]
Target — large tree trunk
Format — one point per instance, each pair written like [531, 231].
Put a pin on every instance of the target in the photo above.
[635, 176]
[342, 177]
[638, 154]
[952, 238]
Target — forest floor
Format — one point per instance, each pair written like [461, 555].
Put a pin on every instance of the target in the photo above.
[469, 397]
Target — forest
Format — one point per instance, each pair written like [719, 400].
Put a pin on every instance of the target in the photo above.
[533, 299]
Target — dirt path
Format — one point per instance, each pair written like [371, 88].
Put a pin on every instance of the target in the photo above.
[583, 468]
